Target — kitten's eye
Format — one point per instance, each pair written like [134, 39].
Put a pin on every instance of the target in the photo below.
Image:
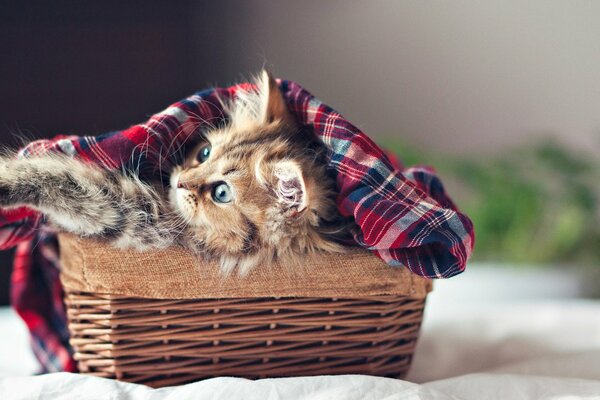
[222, 193]
[203, 154]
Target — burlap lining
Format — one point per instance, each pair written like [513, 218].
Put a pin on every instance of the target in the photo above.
[91, 266]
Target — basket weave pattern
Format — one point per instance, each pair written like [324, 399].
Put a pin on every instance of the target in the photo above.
[165, 318]
[168, 342]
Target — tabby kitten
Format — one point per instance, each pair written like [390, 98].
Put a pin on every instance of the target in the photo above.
[253, 191]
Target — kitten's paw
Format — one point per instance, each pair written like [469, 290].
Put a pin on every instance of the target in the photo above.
[14, 190]
[4, 195]
[241, 264]
[228, 264]
[4, 184]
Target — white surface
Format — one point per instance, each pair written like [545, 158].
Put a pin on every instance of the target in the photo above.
[16, 358]
[482, 338]
[480, 386]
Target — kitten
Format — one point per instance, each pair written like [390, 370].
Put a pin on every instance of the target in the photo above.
[253, 191]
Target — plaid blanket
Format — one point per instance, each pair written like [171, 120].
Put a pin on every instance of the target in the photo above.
[404, 215]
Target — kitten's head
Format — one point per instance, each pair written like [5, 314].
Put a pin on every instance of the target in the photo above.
[257, 189]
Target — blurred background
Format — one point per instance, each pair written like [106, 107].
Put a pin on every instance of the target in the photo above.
[501, 97]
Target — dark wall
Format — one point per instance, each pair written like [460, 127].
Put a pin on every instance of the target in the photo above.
[89, 67]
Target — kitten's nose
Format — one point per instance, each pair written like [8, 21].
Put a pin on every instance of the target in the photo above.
[180, 185]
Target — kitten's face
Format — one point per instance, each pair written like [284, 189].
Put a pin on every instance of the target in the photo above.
[224, 190]
[251, 191]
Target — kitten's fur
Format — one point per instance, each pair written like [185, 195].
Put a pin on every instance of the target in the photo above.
[282, 200]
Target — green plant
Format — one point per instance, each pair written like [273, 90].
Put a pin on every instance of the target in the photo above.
[537, 204]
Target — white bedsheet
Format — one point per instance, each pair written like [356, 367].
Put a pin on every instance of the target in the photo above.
[482, 338]
[480, 386]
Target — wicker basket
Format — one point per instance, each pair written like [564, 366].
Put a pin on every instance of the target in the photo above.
[164, 318]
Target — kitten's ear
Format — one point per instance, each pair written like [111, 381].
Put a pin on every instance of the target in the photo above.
[274, 106]
[290, 188]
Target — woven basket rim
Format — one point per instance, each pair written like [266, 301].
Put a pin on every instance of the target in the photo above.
[96, 267]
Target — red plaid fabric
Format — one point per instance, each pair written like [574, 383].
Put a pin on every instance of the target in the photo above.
[404, 215]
